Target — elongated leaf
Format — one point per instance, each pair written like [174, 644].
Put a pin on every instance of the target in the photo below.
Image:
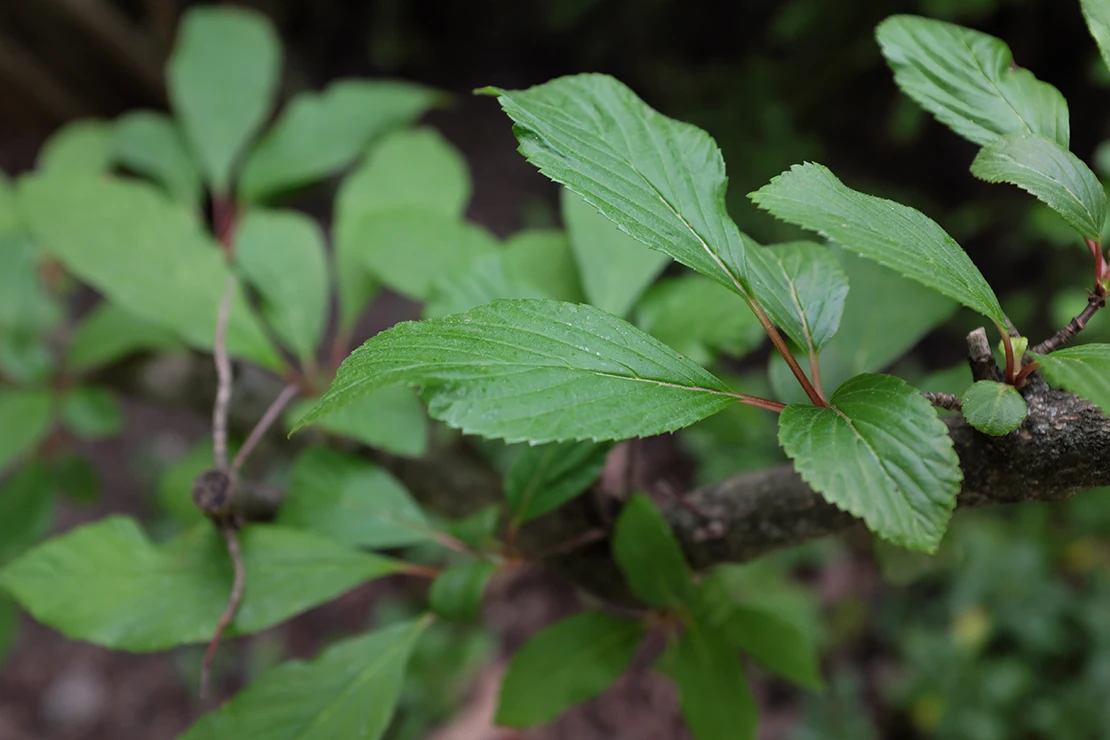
[143, 252]
[1053, 174]
[150, 144]
[543, 259]
[811, 196]
[879, 453]
[662, 181]
[993, 408]
[485, 280]
[91, 412]
[25, 417]
[713, 691]
[615, 268]
[107, 584]
[802, 288]
[540, 371]
[391, 418]
[1084, 370]
[457, 592]
[350, 691]
[83, 146]
[25, 303]
[222, 77]
[318, 134]
[351, 501]
[1097, 14]
[545, 477]
[648, 553]
[969, 81]
[566, 664]
[109, 333]
[26, 510]
[281, 254]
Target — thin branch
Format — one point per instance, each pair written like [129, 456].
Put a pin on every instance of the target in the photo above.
[288, 393]
[223, 375]
[1100, 265]
[1008, 348]
[946, 401]
[980, 357]
[1076, 325]
[237, 586]
[787, 355]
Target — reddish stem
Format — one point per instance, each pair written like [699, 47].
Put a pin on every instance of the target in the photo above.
[791, 362]
[1026, 371]
[1009, 348]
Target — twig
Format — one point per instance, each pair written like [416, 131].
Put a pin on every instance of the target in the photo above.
[980, 357]
[588, 537]
[237, 586]
[1076, 325]
[287, 394]
[223, 376]
[944, 401]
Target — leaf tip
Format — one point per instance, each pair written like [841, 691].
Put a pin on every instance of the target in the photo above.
[488, 90]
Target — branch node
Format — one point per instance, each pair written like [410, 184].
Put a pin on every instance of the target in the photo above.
[946, 401]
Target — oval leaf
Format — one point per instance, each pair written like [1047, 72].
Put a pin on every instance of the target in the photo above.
[84, 146]
[151, 145]
[26, 510]
[545, 477]
[993, 408]
[650, 556]
[391, 418]
[25, 417]
[456, 593]
[880, 453]
[543, 258]
[1054, 175]
[485, 280]
[1084, 370]
[91, 413]
[534, 370]
[969, 81]
[1097, 14]
[108, 333]
[900, 237]
[566, 664]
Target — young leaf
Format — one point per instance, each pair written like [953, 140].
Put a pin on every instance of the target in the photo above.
[478, 529]
[544, 478]
[538, 371]
[485, 280]
[151, 145]
[83, 147]
[351, 501]
[109, 333]
[91, 413]
[222, 78]
[25, 303]
[698, 317]
[969, 81]
[349, 691]
[1084, 370]
[319, 134]
[879, 453]
[1097, 14]
[662, 181]
[26, 510]
[282, 255]
[615, 269]
[993, 408]
[391, 418]
[566, 664]
[543, 258]
[457, 592]
[649, 555]
[1054, 175]
[810, 196]
[802, 288]
[25, 417]
[107, 584]
[713, 691]
[143, 252]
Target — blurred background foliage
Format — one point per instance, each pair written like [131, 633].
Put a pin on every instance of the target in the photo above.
[1004, 634]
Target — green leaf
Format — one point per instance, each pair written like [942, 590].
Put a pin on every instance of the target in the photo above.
[281, 254]
[993, 408]
[478, 529]
[904, 239]
[543, 259]
[486, 280]
[649, 555]
[91, 413]
[615, 269]
[26, 510]
[1084, 370]
[24, 301]
[538, 371]
[566, 664]
[25, 417]
[698, 318]
[108, 333]
[778, 645]
[391, 418]
[75, 477]
[26, 357]
[9, 626]
[457, 592]
[662, 181]
[969, 81]
[544, 478]
[350, 691]
[802, 288]
[880, 453]
[84, 146]
[1054, 175]
[713, 691]
[408, 174]
[319, 134]
[1097, 14]
[143, 252]
[107, 584]
[222, 78]
[351, 501]
[150, 144]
